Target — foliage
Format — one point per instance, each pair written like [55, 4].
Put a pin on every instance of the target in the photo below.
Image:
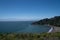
[52, 21]
[29, 36]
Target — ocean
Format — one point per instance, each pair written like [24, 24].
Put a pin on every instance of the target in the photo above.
[22, 27]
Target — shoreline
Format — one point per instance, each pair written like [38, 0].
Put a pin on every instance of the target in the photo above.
[53, 29]
[50, 30]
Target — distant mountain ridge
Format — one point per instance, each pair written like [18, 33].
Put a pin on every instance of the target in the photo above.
[55, 21]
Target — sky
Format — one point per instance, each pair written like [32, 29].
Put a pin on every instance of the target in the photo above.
[26, 10]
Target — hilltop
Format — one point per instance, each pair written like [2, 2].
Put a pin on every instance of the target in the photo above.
[55, 21]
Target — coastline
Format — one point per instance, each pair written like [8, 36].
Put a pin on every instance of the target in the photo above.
[53, 29]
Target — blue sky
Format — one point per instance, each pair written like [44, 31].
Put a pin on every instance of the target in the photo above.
[21, 10]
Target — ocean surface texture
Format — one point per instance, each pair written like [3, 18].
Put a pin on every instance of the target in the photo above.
[22, 27]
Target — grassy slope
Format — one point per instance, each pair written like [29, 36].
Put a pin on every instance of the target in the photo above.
[42, 36]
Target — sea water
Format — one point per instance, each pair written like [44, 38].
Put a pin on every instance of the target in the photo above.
[22, 27]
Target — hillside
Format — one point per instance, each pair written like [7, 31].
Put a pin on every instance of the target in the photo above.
[55, 21]
[19, 36]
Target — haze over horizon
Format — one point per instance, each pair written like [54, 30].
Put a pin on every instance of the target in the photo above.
[26, 10]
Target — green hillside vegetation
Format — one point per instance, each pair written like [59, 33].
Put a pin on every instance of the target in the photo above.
[30, 36]
[55, 21]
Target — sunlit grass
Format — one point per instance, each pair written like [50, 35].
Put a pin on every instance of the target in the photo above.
[29, 36]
